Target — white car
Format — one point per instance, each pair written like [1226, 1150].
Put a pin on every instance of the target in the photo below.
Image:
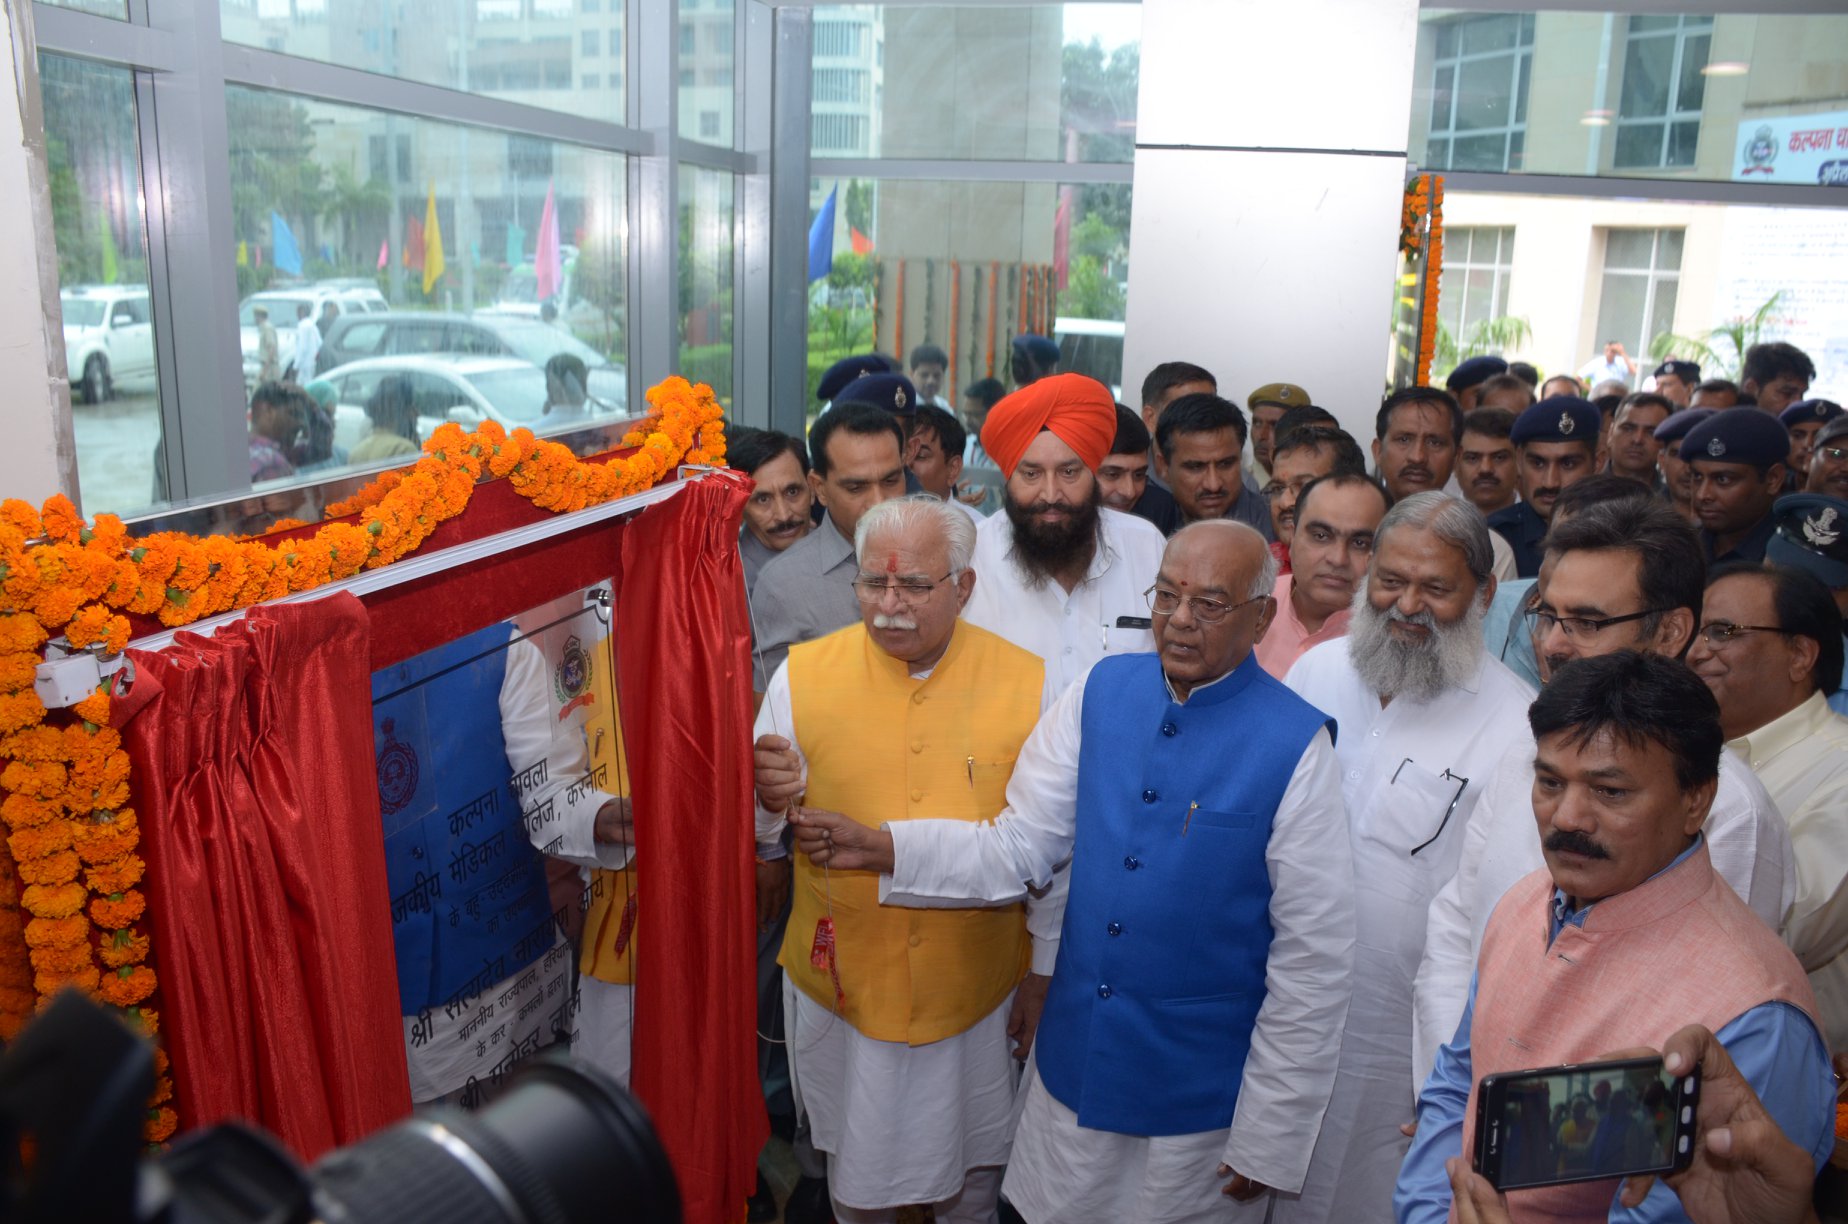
[282, 304]
[466, 390]
[108, 338]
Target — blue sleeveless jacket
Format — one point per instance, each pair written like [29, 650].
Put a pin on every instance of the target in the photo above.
[469, 903]
[1167, 932]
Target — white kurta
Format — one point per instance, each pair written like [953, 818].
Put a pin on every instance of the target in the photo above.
[1802, 758]
[1070, 632]
[1746, 837]
[901, 1124]
[1410, 773]
[1065, 1172]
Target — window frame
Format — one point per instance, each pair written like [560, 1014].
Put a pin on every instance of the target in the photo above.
[1682, 33]
[1520, 76]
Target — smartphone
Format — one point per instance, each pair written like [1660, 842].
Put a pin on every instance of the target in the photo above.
[1584, 1122]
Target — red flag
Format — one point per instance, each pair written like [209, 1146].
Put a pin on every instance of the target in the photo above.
[413, 245]
[384, 250]
[1062, 237]
[548, 260]
[862, 245]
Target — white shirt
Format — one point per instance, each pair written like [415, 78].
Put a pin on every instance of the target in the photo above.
[1291, 1067]
[1070, 632]
[1504, 567]
[1745, 835]
[307, 348]
[1411, 773]
[1802, 758]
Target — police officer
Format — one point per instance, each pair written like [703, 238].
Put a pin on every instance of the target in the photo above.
[1828, 465]
[1811, 534]
[1738, 458]
[836, 377]
[1675, 381]
[1466, 380]
[1805, 419]
[1556, 444]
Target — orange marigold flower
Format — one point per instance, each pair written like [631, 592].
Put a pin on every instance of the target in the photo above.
[74, 958]
[57, 932]
[94, 708]
[102, 841]
[147, 1019]
[59, 868]
[127, 986]
[54, 900]
[160, 1125]
[115, 912]
[22, 516]
[163, 1091]
[21, 709]
[118, 876]
[49, 984]
[97, 624]
[42, 779]
[124, 948]
[161, 1061]
[19, 632]
[40, 841]
[62, 522]
[17, 671]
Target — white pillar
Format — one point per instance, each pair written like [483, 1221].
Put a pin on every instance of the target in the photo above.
[1270, 166]
[39, 457]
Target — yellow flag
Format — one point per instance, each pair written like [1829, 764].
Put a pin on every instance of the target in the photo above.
[243, 254]
[433, 244]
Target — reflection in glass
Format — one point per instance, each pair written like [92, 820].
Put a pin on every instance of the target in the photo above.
[397, 273]
[966, 266]
[1734, 96]
[91, 148]
[559, 54]
[705, 225]
[968, 82]
[102, 8]
[1642, 279]
[707, 70]
[502, 790]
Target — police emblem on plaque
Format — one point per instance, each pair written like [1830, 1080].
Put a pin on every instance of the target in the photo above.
[397, 771]
[1760, 152]
[571, 678]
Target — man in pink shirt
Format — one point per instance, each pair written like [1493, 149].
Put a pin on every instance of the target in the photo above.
[1335, 519]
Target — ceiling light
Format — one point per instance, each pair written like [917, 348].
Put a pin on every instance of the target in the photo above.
[1725, 68]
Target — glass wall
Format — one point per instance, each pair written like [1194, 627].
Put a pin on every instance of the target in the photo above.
[564, 55]
[1733, 97]
[705, 288]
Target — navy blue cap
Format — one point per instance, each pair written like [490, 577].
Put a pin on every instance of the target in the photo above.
[1677, 425]
[1738, 435]
[1808, 412]
[1686, 371]
[893, 392]
[1836, 428]
[1811, 535]
[848, 369]
[1475, 370]
[1043, 351]
[1562, 418]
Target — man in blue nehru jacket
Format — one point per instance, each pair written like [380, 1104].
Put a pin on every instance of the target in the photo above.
[1188, 1044]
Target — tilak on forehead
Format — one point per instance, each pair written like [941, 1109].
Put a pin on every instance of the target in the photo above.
[891, 563]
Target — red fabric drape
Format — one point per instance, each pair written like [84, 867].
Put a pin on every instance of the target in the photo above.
[254, 781]
[683, 646]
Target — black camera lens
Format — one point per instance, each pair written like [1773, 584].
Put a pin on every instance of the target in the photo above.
[565, 1144]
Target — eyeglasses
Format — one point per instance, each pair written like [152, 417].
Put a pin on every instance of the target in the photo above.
[1278, 488]
[1580, 628]
[1834, 454]
[1718, 633]
[1163, 602]
[1449, 808]
[913, 593]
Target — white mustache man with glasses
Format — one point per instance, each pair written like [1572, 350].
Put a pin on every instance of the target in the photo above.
[1425, 712]
[1188, 1044]
[1619, 575]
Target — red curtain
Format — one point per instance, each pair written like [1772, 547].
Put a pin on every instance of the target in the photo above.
[683, 646]
[254, 780]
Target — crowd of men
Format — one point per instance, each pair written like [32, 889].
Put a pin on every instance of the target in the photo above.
[1185, 838]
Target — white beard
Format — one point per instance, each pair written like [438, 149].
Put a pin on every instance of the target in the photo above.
[1417, 671]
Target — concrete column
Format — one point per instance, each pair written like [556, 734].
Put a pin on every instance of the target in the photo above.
[39, 457]
[1270, 165]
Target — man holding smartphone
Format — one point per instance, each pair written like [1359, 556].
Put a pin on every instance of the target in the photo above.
[1642, 935]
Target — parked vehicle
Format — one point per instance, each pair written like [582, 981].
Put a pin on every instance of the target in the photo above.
[108, 338]
[467, 390]
[483, 334]
[347, 297]
[1093, 347]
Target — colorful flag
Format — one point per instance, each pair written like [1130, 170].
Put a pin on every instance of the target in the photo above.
[243, 254]
[110, 271]
[548, 261]
[413, 245]
[433, 244]
[821, 239]
[862, 245]
[384, 251]
[516, 245]
[287, 256]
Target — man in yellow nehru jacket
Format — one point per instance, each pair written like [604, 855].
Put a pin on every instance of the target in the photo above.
[897, 1017]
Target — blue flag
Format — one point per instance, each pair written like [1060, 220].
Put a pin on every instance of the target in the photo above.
[821, 239]
[288, 255]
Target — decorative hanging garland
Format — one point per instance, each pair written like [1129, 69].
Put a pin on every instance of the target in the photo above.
[1424, 203]
[65, 812]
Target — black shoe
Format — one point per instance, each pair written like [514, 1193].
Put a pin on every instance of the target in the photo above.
[809, 1203]
[760, 1208]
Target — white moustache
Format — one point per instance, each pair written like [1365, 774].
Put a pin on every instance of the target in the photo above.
[882, 621]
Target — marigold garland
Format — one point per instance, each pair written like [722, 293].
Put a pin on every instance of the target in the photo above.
[64, 788]
[1424, 202]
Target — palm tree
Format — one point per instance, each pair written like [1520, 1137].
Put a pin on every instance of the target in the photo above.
[1501, 334]
[1737, 334]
